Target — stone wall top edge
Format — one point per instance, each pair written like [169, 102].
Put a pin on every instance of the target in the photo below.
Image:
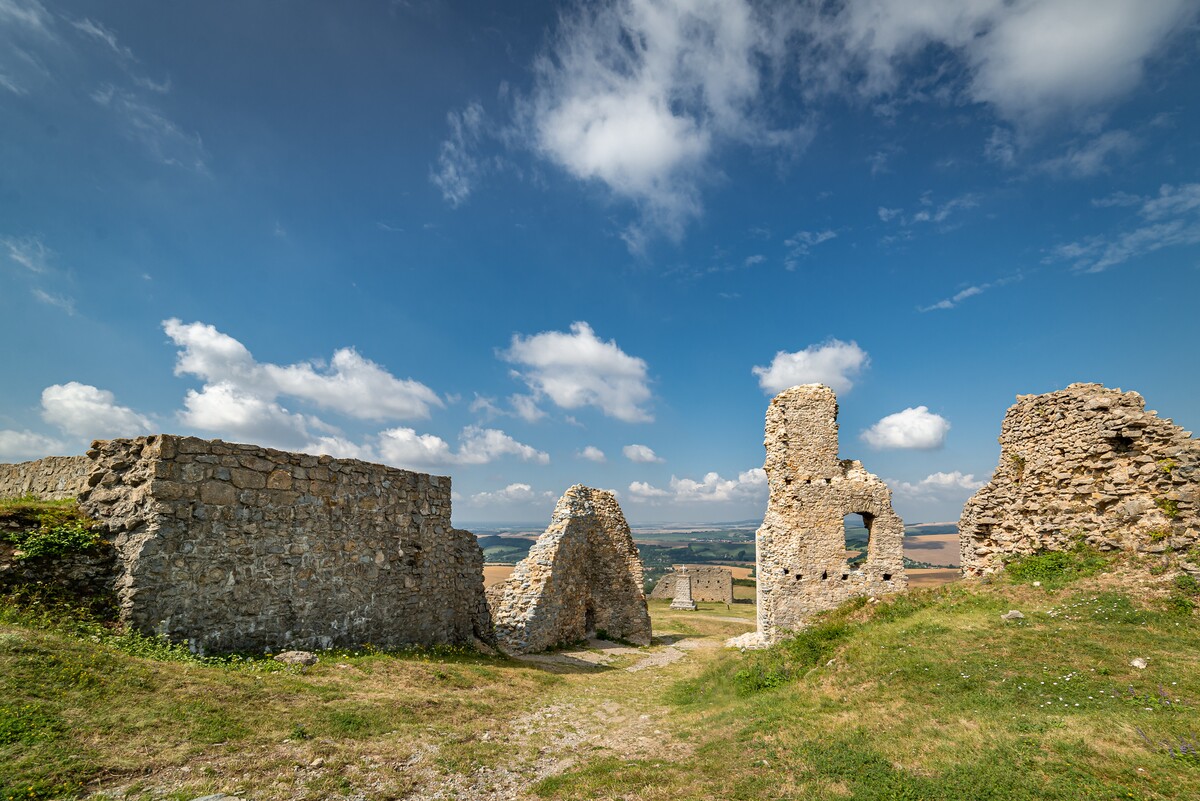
[274, 454]
[28, 462]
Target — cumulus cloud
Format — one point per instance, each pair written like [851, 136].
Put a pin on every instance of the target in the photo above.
[578, 369]
[19, 446]
[937, 485]
[351, 384]
[1169, 219]
[525, 407]
[834, 364]
[592, 454]
[229, 412]
[1030, 60]
[404, 447]
[641, 454]
[513, 493]
[749, 485]
[637, 94]
[915, 428]
[86, 411]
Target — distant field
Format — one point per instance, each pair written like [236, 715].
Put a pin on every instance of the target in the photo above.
[931, 577]
[938, 549]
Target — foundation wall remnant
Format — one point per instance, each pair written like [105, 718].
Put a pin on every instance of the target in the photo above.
[583, 575]
[801, 545]
[1084, 463]
[709, 583]
[51, 479]
[237, 547]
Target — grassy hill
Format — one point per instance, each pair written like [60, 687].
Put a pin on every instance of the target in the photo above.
[927, 696]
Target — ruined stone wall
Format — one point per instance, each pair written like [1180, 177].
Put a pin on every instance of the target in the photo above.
[801, 545]
[581, 576]
[51, 479]
[1089, 463]
[234, 547]
[709, 583]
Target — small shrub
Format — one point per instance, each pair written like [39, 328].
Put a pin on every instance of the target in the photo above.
[1169, 507]
[787, 660]
[48, 528]
[1055, 568]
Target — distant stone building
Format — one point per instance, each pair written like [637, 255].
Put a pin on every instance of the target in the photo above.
[237, 547]
[801, 545]
[583, 575]
[1084, 463]
[709, 583]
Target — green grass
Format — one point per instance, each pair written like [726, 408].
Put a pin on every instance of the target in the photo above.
[933, 696]
[1057, 568]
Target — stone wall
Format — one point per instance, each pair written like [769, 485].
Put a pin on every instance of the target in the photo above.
[801, 545]
[83, 577]
[51, 479]
[581, 576]
[237, 547]
[709, 583]
[1086, 463]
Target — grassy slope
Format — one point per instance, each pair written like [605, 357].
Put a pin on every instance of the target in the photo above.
[930, 696]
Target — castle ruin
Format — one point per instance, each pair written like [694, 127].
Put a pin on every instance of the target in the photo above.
[709, 583]
[802, 562]
[236, 547]
[582, 576]
[1090, 464]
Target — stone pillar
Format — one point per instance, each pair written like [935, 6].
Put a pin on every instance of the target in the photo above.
[683, 591]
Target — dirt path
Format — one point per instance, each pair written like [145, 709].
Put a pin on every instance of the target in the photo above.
[612, 706]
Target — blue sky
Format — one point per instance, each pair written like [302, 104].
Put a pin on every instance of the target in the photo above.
[530, 245]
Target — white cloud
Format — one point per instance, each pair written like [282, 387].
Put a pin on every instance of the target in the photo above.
[458, 168]
[801, 244]
[641, 454]
[404, 447]
[969, 292]
[578, 369]
[352, 384]
[887, 215]
[59, 301]
[1031, 60]
[525, 407]
[592, 454]
[749, 485]
[229, 412]
[513, 493]
[85, 411]
[19, 446]
[29, 252]
[1172, 218]
[937, 485]
[834, 364]
[637, 94]
[340, 448]
[1092, 157]
[644, 491]
[143, 122]
[915, 428]
[102, 34]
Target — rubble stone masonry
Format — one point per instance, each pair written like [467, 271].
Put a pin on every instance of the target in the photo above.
[1084, 463]
[802, 564]
[583, 575]
[53, 478]
[233, 547]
